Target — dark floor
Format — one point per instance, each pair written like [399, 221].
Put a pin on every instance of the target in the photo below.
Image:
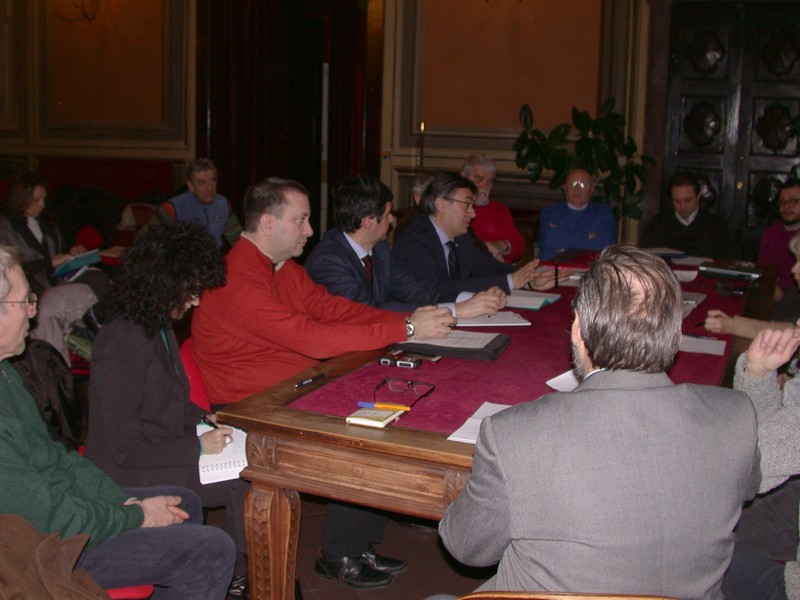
[430, 569]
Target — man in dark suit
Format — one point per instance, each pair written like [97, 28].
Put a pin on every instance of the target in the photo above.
[437, 249]
[688, 227]
[353, 259]
[628, 484]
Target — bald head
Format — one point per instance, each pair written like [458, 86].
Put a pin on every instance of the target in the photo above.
[579, 188]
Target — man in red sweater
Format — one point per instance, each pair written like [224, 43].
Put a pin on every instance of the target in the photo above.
[493, 224]
[271, 321]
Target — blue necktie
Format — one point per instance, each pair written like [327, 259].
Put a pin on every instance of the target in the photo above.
[452, 261]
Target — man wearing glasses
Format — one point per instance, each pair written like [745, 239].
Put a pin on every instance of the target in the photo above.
[774, 245]
[437, 248]
[577, 223]
[688, 227]
[353, 260]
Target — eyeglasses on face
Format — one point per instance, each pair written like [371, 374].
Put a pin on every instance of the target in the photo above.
[30, 301]
[577, 184]
[788, 202]
[470, 205]
[401, 386]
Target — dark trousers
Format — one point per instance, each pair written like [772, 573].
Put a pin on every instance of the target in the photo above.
[768, 525]
[349, 530]
[753, 577]
[186, 561]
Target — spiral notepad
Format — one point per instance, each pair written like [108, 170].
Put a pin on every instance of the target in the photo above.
[228, 463]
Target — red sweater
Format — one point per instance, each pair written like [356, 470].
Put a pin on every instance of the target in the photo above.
[493, 222]
[265, 326]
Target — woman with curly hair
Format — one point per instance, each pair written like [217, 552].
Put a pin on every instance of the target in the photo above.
[141, 421]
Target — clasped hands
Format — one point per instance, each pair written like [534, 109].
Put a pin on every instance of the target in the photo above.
[160, 511]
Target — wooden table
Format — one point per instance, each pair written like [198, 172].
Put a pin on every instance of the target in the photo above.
[289, 451]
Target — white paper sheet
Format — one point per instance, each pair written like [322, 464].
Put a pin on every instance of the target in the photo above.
[468, 432]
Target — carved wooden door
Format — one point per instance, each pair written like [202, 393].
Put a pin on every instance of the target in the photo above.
[734, 84]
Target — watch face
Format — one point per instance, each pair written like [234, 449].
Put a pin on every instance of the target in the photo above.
[409, 329]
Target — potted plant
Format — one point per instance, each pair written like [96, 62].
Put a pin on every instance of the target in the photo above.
[601, 147]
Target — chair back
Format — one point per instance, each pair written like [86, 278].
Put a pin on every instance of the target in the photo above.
[197, 390]
[138, 592]
[89, 237]
[556, 596]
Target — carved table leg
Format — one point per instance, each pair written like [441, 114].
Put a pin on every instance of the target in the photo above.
[272, 518]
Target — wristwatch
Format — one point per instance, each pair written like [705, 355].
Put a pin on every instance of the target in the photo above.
[409, 328]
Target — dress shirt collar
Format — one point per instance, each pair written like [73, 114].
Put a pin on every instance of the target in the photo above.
[36, 229]
[275, 266]
[689, 220]
[443, 238]
[360, 252]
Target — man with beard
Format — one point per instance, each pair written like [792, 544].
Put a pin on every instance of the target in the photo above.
[687, 227]
[629, 484]
[493, 224]
[774, 245]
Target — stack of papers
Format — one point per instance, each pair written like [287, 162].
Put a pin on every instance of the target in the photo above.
[530, 300]
[702, 345]
[502, 319]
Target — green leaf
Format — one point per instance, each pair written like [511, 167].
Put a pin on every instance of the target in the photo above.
[582, 120]
[526, 116]
[648, 160]
[521, 142]
[607, 106]
[630, 178]
[559, 133]
[535, 172]
[641, 173]
[635, 213]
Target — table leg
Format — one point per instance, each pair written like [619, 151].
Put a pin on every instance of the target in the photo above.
[272, 519]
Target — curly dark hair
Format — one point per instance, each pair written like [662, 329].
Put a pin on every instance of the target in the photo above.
[167, 266]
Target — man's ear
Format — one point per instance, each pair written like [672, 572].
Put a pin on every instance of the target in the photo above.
[575, 333]
[367, 223]
[266, 222]
[439, 203]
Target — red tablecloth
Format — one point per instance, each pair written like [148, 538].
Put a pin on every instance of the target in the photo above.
[536, 353]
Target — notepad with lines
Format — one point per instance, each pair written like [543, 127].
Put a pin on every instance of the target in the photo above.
[227, 464]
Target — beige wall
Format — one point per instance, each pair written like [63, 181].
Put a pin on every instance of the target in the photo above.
[548, 54]
[118, 83]
[482, 60]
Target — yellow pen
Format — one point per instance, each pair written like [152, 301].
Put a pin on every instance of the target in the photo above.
[384, 406]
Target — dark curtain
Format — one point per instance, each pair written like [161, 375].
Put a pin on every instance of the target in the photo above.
[245, 97]
[346, 130]
[247, 92]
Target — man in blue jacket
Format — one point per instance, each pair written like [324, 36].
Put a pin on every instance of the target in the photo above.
[363, 214]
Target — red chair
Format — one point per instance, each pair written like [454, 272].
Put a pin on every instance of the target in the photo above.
[89, 237]
[197, 390]
[131, 593]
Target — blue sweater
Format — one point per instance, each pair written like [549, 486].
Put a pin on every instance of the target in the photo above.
[563, 228]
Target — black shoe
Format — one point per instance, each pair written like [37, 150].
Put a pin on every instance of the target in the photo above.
[384, 564]
[353, 572]
[239, 588]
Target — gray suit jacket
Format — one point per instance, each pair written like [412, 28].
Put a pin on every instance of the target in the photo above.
[629, 484]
